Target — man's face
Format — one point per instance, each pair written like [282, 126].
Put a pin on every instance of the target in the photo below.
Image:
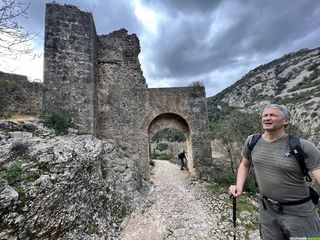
[273, 119]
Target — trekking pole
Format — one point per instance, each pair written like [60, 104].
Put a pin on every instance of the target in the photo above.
[234, 216]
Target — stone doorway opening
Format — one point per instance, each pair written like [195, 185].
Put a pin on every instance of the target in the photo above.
[167, 144]
[172, 121]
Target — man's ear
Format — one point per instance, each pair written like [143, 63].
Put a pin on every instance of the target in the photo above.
[287, 121]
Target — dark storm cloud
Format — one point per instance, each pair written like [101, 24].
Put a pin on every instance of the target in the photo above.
[186, 6]
[113, 15]
[215, 41]
[247, 30]
[108, 15]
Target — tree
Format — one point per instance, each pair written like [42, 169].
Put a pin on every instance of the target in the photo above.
[12, 34]
[233, 129]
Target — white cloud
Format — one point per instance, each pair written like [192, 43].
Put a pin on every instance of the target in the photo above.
[28, 64]
[146, 16]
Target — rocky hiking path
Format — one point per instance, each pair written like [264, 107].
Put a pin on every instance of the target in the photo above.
[181, 210]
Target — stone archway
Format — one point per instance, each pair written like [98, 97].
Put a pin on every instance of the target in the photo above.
[107, 94]
[186, 110]
[172, 120]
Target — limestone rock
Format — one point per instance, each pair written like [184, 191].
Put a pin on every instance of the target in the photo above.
[7, 197]
[69, 187]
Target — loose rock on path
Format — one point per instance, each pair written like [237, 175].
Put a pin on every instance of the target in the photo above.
[182, 210]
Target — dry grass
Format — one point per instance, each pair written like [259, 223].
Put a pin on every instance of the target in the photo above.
[22, 117]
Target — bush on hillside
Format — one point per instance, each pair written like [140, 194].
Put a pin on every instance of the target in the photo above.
[58, 121]
[19, 148]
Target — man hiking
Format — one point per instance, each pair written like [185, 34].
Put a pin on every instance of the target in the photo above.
[181, 157]
[286, 210]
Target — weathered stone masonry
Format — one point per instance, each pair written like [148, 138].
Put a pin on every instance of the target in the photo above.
[18, 95]
[69, 63]
[98, 81]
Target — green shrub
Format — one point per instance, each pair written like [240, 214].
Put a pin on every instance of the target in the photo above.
[19, 148]
[313, 66]
[163, 157]
[6, 113]
[29, 128]
[22, 194]
[197, 85]
[223, 178]
[160, 156]
[169, 134]
[2, 182]
[58, 121]
[10, 86]
[162, 146]
[124, 211]
[94, 228]
[13, 174]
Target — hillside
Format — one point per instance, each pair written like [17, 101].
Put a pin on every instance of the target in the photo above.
[293, 80]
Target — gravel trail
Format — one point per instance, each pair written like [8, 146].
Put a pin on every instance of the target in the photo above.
[181, 210]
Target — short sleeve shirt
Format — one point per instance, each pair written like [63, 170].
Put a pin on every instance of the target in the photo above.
[278, 175]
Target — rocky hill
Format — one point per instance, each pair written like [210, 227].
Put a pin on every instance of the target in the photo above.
[62, 187]
[293, 80]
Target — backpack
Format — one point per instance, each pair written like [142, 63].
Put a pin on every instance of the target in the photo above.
[299, 155]
[181, 155]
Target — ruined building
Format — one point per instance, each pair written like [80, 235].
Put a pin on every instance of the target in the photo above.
[97, 80]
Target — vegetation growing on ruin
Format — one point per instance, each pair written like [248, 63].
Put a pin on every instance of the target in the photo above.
[10, 86]
[58, 121]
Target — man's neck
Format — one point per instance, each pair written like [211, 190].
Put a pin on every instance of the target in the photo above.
[271, 136]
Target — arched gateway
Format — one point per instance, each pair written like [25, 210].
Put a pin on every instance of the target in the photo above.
[184, 109]
[97, 80]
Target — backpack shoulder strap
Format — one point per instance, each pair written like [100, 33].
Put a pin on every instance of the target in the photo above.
[255, 138]
[299, 154]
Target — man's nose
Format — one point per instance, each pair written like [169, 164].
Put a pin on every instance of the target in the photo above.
[267, 117]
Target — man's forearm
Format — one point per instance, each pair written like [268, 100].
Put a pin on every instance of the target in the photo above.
[242, 176]
[243, 169]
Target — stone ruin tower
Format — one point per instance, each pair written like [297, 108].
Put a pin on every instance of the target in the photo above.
[98, 82]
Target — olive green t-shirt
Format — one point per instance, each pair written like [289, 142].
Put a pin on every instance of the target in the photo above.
[279, 177]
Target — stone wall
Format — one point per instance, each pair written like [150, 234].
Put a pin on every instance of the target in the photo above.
[188, 108]
[99, 82]
[70, 64]
[18, 95]
[122, 95]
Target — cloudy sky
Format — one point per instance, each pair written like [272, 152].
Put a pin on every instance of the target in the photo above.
[182, 41]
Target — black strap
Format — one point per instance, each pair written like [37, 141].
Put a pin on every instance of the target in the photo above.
[253, 141]
[295, 150]
[300, 155]
[255, 138]
[297, 202]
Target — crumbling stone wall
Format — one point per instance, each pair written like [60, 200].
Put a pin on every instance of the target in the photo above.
[19, 95]
[122, 95]
[99, 82]
[70, 64]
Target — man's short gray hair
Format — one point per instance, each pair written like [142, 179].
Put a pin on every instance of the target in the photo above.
[282, 108]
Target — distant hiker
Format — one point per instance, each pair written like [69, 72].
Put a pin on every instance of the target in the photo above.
[182, 157]
[285, 206]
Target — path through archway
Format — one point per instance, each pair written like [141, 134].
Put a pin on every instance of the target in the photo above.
[172, 120]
